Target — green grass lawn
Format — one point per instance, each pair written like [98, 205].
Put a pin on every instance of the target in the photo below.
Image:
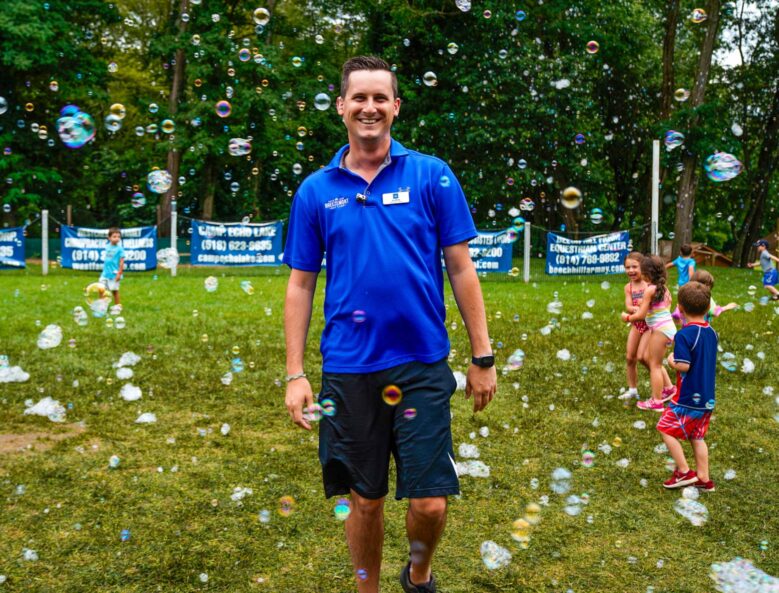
[173, 487]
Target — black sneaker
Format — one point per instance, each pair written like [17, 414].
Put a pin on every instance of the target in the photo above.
[409, 587]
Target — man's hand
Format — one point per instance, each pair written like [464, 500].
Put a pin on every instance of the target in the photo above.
[482, 384]
[299, 396]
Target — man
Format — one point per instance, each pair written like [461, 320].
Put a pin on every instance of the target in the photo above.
[383, 214]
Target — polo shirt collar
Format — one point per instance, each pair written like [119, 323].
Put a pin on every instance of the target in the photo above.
[396, 150]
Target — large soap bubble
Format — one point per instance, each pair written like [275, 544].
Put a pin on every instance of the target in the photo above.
[322, 101]
[722, 166]
[75, 128]
[673, 139]
[571, 197]
[159, 181]
[261, 16]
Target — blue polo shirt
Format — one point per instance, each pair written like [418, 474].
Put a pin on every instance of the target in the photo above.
[696, 344]
[384, 300]
[112, 256]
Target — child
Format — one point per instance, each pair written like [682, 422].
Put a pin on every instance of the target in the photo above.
[634, 292]
[685, 265]
[655, 308]
[770, 275]
[715, 310]
[687, 416]
[113, 263]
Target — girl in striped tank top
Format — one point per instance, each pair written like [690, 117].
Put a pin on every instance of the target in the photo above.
[655, 309]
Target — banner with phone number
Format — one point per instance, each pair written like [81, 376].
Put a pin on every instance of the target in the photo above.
[12, 248]
[82, 248]
[602, 254]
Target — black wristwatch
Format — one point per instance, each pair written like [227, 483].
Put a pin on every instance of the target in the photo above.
[484, 362]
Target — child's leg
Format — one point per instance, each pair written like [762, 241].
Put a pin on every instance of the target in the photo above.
[642, 348]
[116, 297]
[655, 354]
[666, 379]
[631, 357]
[677, 452]
[701, 452]
[772, 289]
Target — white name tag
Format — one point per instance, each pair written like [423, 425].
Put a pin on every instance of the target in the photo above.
[398, 197]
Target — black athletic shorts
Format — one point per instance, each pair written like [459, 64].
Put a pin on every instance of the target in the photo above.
[358, 433]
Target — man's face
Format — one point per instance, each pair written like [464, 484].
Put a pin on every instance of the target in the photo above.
[114, 238]
[369, 106]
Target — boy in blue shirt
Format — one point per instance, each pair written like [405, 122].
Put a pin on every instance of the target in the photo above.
[770, 275]
[689, 412]
[685, 265]
[113, 263]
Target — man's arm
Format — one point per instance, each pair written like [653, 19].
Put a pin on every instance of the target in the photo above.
[482, 383]
[297, 317]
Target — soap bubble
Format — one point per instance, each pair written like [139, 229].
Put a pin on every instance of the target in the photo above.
[527, 204]
[211, 284]
[579, 139]
[430, 79]
[494, 556]
[328, 407]
[520, 532]
[464, 5]
[168, 126]
[223, 108]
[561, 481]
[75, 129]
[261, 16]
[168, 258]
[244, 54]
[593, 47]
[112, 123]
[722, 166]
[588, 458]
[3, 105]
[752, 290]
[737, 130]
[153, 108]
[410, 413]
[571, 198]
[322, 102]
[728, 362]
[97, 299]
[312, 413]
[681, 95]
[596, 216]
[673, 139]
[50, 337]
[698, 16]
[246, 286]
[392, 395]
[359, 316]
[520, 15]
[452, 48]
[518, 224]
[342, 509]
[159, 181]
[517, 360]
[286, 506]
[692, 510]
[138, 200]
[239, 146]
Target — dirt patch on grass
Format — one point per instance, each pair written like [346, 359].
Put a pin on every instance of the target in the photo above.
[34, 442]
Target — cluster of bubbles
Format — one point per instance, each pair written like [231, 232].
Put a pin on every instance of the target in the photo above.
[159, 181]
[113, 121]
[494, 556]
[239, 146]
[692, 510]
[75, 128]
[741, 576]
[722, 166]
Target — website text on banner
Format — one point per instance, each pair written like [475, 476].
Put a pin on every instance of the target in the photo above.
[12, 248]
[491, 252]
[82, 248]
[236, 244]
[603, 254]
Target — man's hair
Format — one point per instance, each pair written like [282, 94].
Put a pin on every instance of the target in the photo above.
[114, 229]
[366, 63]
[704, 278]
[695, 298]
[686, 249]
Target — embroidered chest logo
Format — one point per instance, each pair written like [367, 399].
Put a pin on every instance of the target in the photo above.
[336, 203]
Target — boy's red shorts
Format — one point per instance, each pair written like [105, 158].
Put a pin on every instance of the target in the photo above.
[684, 423]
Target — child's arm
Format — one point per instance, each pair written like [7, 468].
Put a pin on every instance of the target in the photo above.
[121, 270]
[628, 299]
[720, 310]
[690, 270]
[670, 264]
[643, 308]
[682, 367]
[773, 257]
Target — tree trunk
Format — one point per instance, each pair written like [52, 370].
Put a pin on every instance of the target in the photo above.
[669, 42]
[688, 184]
[209, 178]
[760, 180]
[174, 156]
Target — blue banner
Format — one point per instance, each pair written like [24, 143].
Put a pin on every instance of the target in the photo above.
[236, 244]
[491, 251]
[82, 248]
[12, 248]
[602, 254]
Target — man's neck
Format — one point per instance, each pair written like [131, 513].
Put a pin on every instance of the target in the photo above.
[363, 157]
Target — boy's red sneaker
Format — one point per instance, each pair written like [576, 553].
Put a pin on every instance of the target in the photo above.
[705, 486]
[679, 480]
